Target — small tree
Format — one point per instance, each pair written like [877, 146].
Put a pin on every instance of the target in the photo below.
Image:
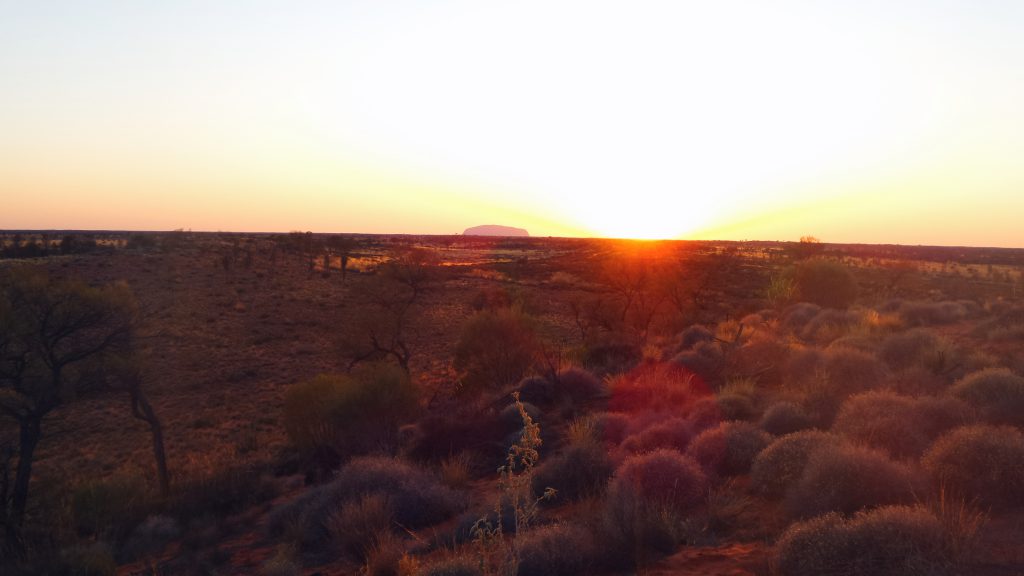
[48, 329]
[495, 349]
[825, 283]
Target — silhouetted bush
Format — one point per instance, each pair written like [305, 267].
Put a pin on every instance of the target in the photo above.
[900, 425]
[348, 414]
[825, 283]
[612, 356]
[847, 479]
[706, 361]
[783, 418]
[674, 433]
[983, 462]
[556, 550]
[579, 385]
[578, 471]
[894, 540]
[416, 497]
[495, 349]
[466, 427]
[996, 392]
[782, 463]
[729, 448]
[663, 477]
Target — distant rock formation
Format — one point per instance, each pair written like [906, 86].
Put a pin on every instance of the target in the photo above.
[495, 230]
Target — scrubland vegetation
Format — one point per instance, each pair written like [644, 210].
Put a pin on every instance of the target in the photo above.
[295, 404]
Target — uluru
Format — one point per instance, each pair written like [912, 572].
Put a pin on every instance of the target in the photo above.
[495, 230]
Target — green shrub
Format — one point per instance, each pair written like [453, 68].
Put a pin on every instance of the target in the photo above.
[996, 392]
[893, 541]
[349, 413]
[729, 448]
[982, 462]
[847, 479]
[782, 463]
[825, 283]
[495, 349]
[902, 426]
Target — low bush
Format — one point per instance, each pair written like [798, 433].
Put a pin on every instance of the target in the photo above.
[825, 283]
[917, 348]
[706, 361]
[335, 415]
[781, 464]
[796, 316]
[783, 418]
[674, 433]
[894, 540]
[557, 550]
[495, 349]
[663, 477]
[729, 448]
[578, 471]
[358, 524]
[830, 325]
[466, 427]
[902, 426]
[980, 462]
[931, 313]
[611, 357]
[847, 479]
[416, 497]
[664, 387]
[845, 372]
[457, 566]
[997, 393]
[693, 335]
[579, 385]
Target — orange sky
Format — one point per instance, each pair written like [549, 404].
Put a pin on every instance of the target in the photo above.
[850, 121]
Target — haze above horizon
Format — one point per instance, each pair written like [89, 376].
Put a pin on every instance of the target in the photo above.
[857, 122]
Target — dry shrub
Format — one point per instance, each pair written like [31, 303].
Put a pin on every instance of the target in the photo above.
[980, 462]
[902, 426]
[455, 566]
[415, 496]
[456, 471]
[495, 349]
[917, 348]
[692, 336]
[466, 427]
[931, 313]
[763, 358]
[611, 356]
[784, 418]
[825, 283]
[573, 385]
[796, 316]
[557, 550]
[356, 525]
[849, 478]
[845, 372]
[894, 540]
[579, 471]
[663, 477]
[996, 392]
[729, 448]
[706, 360]
[656, 387]
[674, 433]
[782, 463]
[830, 325]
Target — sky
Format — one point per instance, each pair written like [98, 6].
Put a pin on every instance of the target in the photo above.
[864, 121]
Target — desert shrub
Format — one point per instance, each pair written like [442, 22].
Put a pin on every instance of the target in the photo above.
[415, 496]
[464, 427]
[982, 462]
[221, 488]
[457, 566]
[825, 283]
[346, 414]
[579, 385]
[729, 448]
[655, 387]
[495, 349]
[732, 406]
[931, 313]
[111, 507]
[556, 550]
[611, 356]
[782, 463]
[783, 418]
[387, 557]
[510, 419]
[914, 348]
[280, 565]
[610, 427]
[900, 425]
[674, 433]
[693, 335]
[845, 372]
[803, 367]
[795, 317]
[706, 361]
[491, 299]
[704, 414]
[894, 540]
[847, 479]
[664, 477]
[356, 525]
[997, 393]
[95, 559]
[646, 507]
[150, 537]
[578, 471]
[830, 325]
